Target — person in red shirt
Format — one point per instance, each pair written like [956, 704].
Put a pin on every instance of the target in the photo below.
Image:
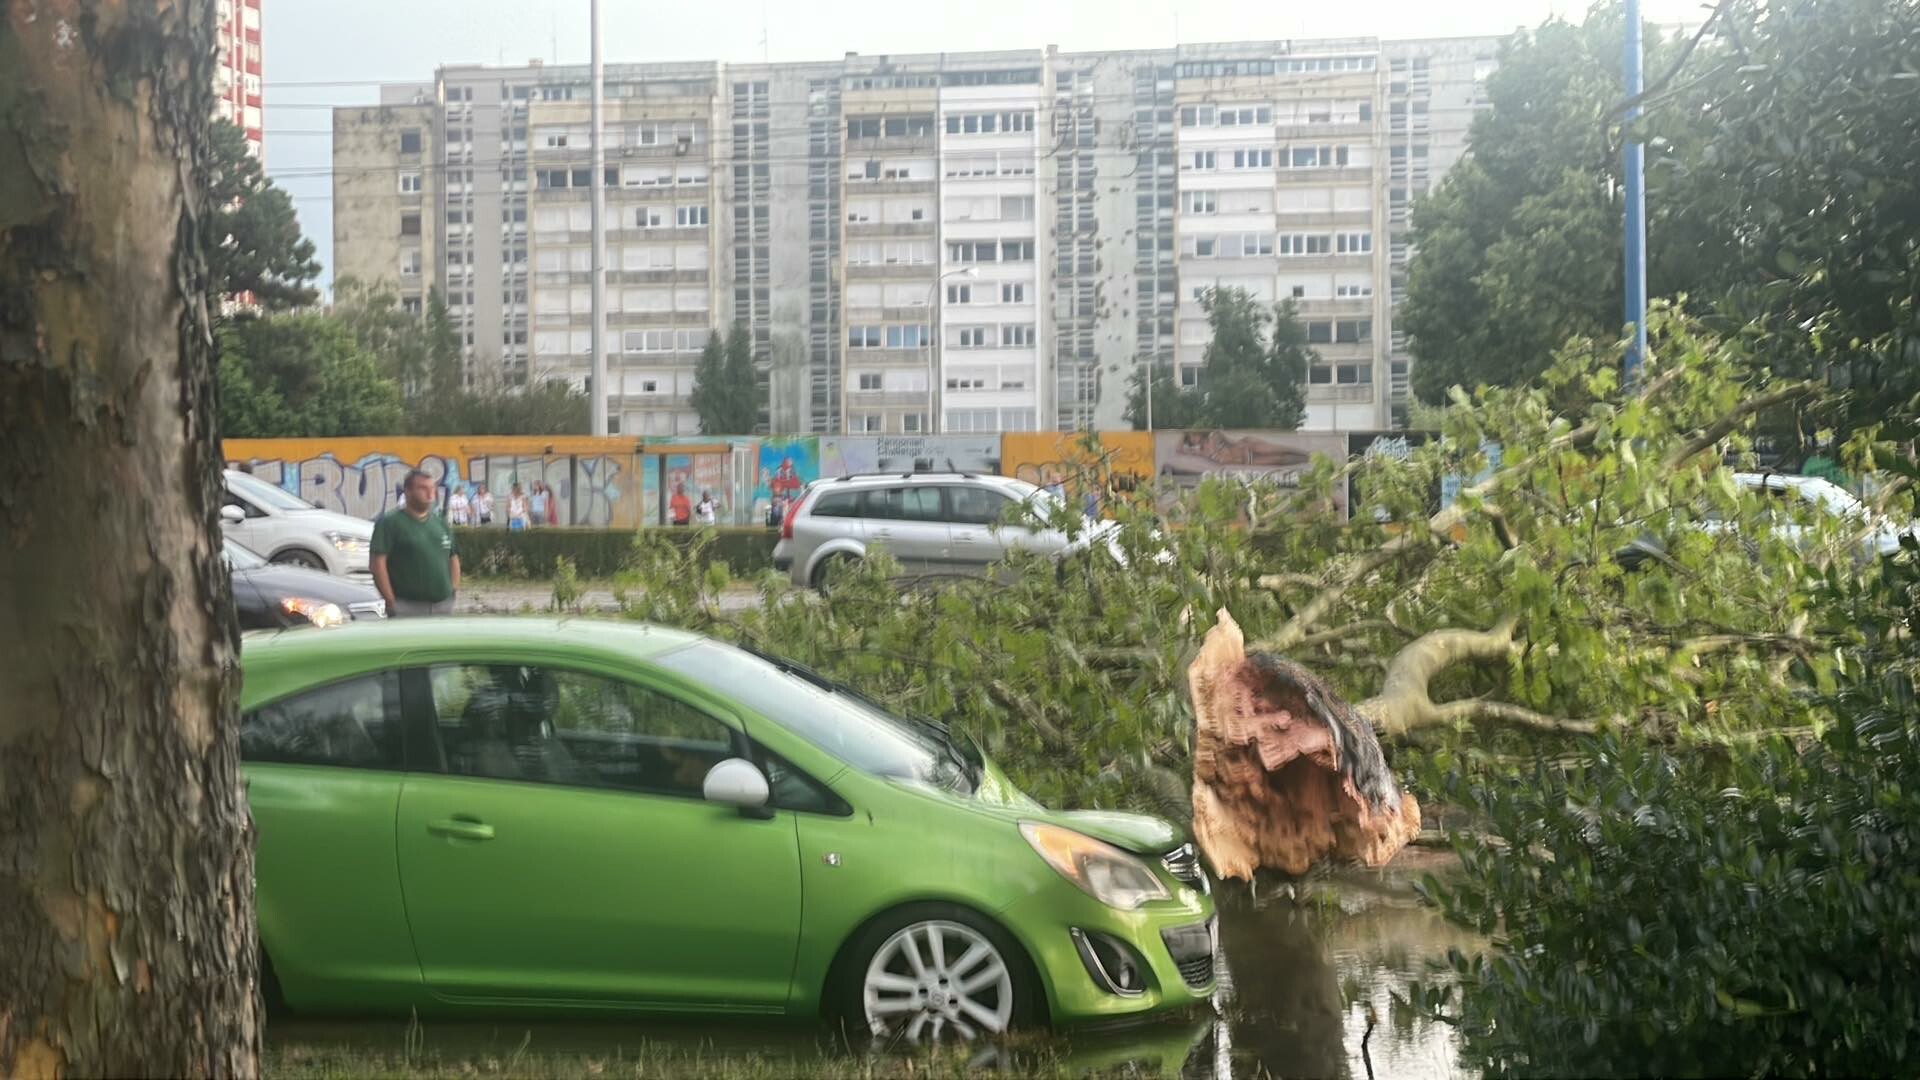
[679, 507]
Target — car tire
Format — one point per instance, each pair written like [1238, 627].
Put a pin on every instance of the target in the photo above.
[973, 980]
[830, 567]
[299, 557]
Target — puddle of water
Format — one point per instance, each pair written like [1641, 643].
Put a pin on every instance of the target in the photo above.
[1301, 966]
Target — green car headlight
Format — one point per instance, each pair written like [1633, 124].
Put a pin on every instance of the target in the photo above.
[1102, 871]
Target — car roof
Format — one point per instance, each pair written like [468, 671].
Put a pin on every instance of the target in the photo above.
[319, 655]
[894, 479]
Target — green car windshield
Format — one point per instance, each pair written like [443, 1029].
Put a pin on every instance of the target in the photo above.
[835, 719]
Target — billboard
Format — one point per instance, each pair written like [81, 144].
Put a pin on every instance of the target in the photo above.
[1086, 468]
[849, 455]
[1184, 458]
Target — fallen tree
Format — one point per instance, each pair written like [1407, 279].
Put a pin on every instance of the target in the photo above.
[1476, 628]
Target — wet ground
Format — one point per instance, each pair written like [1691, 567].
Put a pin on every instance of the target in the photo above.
[1302, 964]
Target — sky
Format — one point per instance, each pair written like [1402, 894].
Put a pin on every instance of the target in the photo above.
[354, 45]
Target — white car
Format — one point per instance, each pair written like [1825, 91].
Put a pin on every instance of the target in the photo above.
[291, 531]
[1875, 535]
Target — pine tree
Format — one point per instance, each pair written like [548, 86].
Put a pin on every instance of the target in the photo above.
[726, 391]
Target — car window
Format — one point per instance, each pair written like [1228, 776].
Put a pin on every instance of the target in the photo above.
[902, 504]
[355, 724]
[259, 491]
[553, 726]
[837, 504]
[239, 557]
[976, 506]
[848, 727]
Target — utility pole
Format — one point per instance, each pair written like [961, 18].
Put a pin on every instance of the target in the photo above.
[1634, 166]
[598, 339]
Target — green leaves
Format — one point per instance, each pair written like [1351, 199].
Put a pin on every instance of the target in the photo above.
[726, 391]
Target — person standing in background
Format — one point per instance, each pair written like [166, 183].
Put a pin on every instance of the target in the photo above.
[459, 512]
[553, 507]
[679, 507]
[707, 512]
[414, 563]
[516, 510]
[483, 506]
[538, 504]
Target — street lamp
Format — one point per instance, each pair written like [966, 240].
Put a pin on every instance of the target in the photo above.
[933, 357]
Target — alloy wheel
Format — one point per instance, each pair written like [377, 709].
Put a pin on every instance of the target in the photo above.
[938, 978]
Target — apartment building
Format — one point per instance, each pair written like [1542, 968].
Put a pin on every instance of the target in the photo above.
[237, 71]
[956, 243]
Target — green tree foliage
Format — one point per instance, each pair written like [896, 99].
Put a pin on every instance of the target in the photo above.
[546, 408]
[1253, 376]
[253, 238]
[301, 375]
[726, 391]
[1661, 911]
[1782, 198]
[420, 352]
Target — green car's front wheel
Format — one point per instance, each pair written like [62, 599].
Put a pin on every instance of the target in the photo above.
[935, 971]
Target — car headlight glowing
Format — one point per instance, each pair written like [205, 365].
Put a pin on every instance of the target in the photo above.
[347, 543]
[318, 612]
[1102, 871]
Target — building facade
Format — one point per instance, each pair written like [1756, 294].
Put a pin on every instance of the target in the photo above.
[954, 243]
[237, 89]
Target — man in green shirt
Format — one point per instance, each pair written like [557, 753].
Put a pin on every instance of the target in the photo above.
[414, 564]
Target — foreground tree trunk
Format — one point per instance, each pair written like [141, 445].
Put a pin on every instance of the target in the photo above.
[126, 895]
[1285, 774]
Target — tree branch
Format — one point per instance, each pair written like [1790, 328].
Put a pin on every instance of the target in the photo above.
[1706, 437]
[1341, 633]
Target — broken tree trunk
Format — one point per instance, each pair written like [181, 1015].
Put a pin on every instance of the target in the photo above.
[1285, 774]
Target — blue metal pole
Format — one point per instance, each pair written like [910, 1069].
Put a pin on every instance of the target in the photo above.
[1634, 165]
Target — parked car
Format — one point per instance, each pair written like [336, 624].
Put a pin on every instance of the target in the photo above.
[276, 597]
[1792, 500]
[287, 529]
[571, 814]
[931, 523]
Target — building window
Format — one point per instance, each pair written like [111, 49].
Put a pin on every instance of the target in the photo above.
[688, 216]
[1356, 243]
[1013, 293]
[1246, 116]
[913, 423]
[1253, 159]
[1352, 292]
[959, 294]
[409, 183]
[1197, 116]
[864, 337]
[409, 224]
[1352, 331]
[410, 262]
[971, 337]
[1016, 335]
[907, 337]
[1316, 157]
[1199, 202]
[864, 422]
[1305, 244]
[1202, 161]
[869, 380]
[410, 140]
[1016, 251]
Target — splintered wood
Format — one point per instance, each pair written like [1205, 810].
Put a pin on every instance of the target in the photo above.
[1285, 774]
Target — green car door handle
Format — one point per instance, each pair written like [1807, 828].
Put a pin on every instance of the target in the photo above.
[461, 829]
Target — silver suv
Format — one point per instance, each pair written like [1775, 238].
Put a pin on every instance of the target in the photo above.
[931, 523]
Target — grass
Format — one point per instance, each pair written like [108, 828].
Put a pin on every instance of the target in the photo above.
[299, 1053]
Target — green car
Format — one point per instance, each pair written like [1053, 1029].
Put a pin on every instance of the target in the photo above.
[540, 814]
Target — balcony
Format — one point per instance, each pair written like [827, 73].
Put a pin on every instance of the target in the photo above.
[890, 272]
[1324, 394]
[1346, 129]
[865, 229]
[886, 399]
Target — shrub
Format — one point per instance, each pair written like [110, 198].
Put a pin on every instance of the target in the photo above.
[602, 553]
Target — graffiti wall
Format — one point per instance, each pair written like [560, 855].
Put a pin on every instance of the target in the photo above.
[1087, 468]
[785, 465]
[593, 481]
[632, 483]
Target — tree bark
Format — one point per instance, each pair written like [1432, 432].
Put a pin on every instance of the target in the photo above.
[126, 873]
